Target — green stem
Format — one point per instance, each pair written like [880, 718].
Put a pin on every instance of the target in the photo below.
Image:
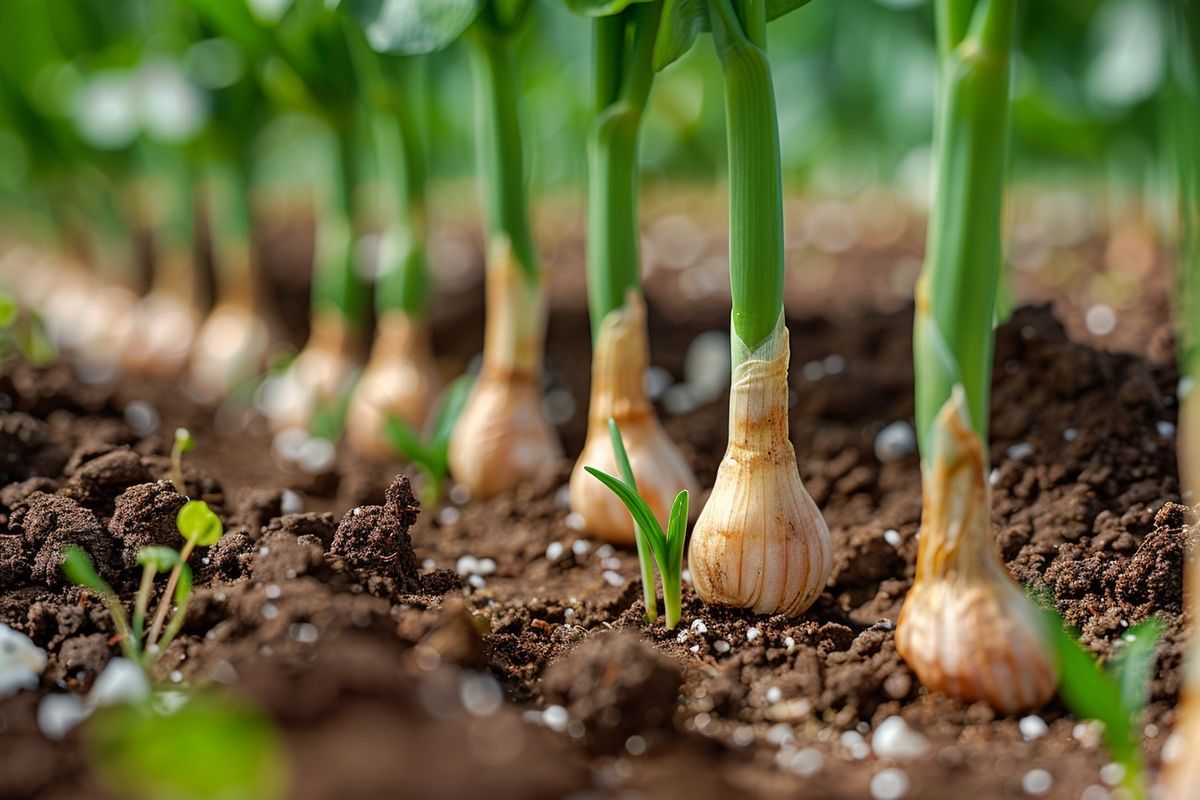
[953, 21]
[337, 286]
[500, 155]
[956, 293]
[142, 601]
[173, 627]
[622, 87]
[756, 263]
[644, 550]
[404, 286]
[672, 599]
[164, 602]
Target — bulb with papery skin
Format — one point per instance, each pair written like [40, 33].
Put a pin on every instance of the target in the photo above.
[316, 376]
[158, 335]
[400, 379]
[966, 628]
[618, 367]
[503, 436]
[760, 542]
[231, 349]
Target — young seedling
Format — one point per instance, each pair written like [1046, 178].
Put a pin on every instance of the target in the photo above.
[623, 36]
[760, 542]
[1114, 696]
[199, 527]
[79, 569]
[154, 560]
[23, 334]
[184, 443]
[666, 548]
[966, 628]
[431, 454]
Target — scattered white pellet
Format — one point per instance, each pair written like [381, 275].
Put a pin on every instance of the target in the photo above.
[486, 567]
[122, 681]
[1019, 451]
[273, 592]
[894, 739]
[477, 581]
[751, 633]
[892, 537]
[855, 745]
[605, 551]
[780, 733]
[612, 578]
[834, 364]
[655, 381]
[317, 455]
[176, 676]
[706, 365]
[789, 643]
[895, 441]
[1165, 429]
[1100, 320]
[291, 502]
[303, 632]
[428, 563]
[57, 714]
[449, 515]
[698, 626]
[1070, 434]
[695, 648]
[142, 417]
[1172, 748]
[635, 745]
[1112, 773]
[813, 371]
[808, 761]
[554, 551]
[1036, 782]
[21, 661]
[581, 547]
[721, 646]
[268, 610]
[574, 521]
[889, 784]
[1095, 792]
[459, 495]
[1032, 727]
[743, 736]
[480, 694]
[555, 718]
[774, 695]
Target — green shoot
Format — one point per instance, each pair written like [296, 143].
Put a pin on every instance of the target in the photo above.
[199, 526]
[153, 560]
[78, 567]
[184, 443]
[23, 333]
[432, 455]
[209, 747]
[1113, 696]
[645, 556]
[329, 421]
[666, 547]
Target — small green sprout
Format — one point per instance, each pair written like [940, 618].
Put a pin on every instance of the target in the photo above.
[1114, 696]
[23, 333]
[153, 560]
[211, 746]
[329, 420]
[666, 548]
[199, 527]
[184, 443]
[432, 455]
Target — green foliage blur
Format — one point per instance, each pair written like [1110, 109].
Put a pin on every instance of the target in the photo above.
[95, 92]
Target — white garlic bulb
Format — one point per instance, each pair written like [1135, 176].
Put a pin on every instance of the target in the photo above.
[760, 542]
[322, 370]
[618, 367]
[503, 437]
[400, 380]
[967, 628]
[230, 349]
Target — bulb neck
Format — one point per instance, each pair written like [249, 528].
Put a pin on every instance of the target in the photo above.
[515, 327]
[400, 336]
[618, 366]
[758, 400]
[331, 334]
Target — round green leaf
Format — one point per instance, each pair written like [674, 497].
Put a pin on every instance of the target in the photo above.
[161, 558]
[198, 524]
[412, 27]
[184, 440]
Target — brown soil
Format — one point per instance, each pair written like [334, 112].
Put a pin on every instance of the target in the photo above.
[391, 675]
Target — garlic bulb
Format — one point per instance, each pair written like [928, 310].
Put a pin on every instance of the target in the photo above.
[760, 542]
[327, 362]
[158, 335]
[618, 366]
[967, 628]
[503, 437]
[230, 349]
[400, 379]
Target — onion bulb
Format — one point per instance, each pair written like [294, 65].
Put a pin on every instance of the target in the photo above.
[230, 349]
[618, 366]
[966, 628]
[400, 379]
[760, 542]
[503, 437]
[315, 377]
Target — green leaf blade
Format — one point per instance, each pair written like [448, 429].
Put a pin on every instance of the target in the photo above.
[682, 22]
[78, 567]
[198, 524]
[1133, 666]
[643, 517]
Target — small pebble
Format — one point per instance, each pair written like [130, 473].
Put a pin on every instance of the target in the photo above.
[1019, 451]
[889, 784]
[1036, 782]
[751, 634]
[581, 547]
[894, 739]
[477, 581]
[721, 646]
[555, 718]
[613, 578]
[789, 643]
[892, 537]
[554, 551]
[895, 441]
[1032, 727]
[698, 626]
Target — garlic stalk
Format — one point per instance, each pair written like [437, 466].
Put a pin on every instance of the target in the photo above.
[502, 436]
[400, 379]
[760, 542]
[618, 365]
[316, 376]
[967, 628]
